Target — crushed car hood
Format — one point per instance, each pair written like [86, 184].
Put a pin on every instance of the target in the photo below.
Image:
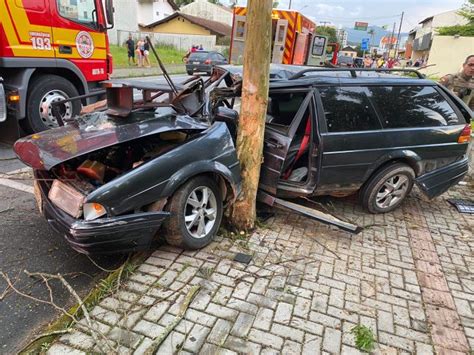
[95, 131]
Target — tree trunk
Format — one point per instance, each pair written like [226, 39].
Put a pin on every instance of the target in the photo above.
[253, 109]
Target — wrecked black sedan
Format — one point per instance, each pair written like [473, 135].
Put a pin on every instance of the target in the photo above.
[110, 179]
[166, 163]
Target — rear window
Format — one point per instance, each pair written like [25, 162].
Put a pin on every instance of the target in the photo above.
[412, 106]
[348, 109]
[199, 55]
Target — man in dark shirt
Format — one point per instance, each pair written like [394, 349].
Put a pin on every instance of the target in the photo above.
[131, 50]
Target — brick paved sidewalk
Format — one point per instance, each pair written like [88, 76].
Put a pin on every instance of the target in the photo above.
[409, 278]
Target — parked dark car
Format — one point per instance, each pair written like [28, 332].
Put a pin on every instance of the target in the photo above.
[203, 61]
[112, 180]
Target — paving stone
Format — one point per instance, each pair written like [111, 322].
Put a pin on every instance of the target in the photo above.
[312, 345]
[266, 339]
[200, 317]
[283, 313]
[242, 325]
[242, 306]
[157, 311]
[263, 319]
[291, 348]
[59, 349]
[325, 319]
[332, 340]
[261, 301]
[219, 332]
[211, 349]
[196, 338]
[242, 346]
[221, 312]
[171, 344]
[287, 332]
[125, 337]
[148, 329]
[78, 340]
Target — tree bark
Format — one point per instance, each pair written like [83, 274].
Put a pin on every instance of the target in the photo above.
[253, 109]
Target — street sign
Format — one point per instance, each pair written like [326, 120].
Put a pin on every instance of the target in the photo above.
[361, 26]
[364, 44]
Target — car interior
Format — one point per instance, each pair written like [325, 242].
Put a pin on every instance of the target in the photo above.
[282, 111]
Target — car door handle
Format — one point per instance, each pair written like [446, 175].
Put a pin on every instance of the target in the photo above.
[273, 143]
[65, 49]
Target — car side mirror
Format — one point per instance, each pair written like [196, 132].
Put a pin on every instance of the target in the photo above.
[230, 117]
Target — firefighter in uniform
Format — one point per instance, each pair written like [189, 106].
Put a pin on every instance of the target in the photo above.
[462, 83]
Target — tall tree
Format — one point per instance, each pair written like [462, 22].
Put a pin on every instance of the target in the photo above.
[256, 73]
[330, 32]
[467, 11]
[182, 2]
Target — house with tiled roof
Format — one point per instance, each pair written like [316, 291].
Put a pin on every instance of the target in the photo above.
[184, 24]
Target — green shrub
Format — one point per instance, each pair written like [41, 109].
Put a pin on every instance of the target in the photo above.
[464, 31]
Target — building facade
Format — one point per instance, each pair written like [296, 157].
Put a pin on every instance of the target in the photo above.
[208, 11]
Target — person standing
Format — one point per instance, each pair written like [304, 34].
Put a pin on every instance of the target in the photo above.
[140, 51]
[367, 61]
[146, 54]
[131, 50]
[462, 83]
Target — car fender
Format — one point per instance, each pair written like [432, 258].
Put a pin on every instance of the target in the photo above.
[409, 156]
[199, 168]
[211, 152]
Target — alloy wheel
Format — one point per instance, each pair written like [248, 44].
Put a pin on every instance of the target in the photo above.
[200, 211]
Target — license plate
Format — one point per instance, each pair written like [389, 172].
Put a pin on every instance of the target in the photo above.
[66, 198]
[196, 63]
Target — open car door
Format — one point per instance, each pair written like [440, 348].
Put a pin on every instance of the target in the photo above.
[280, 130]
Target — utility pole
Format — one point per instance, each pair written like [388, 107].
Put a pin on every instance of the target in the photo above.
[289, 5]
[398, 35]
[391, 37]
[256, 78]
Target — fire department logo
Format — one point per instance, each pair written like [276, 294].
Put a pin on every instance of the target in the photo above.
[84, 44]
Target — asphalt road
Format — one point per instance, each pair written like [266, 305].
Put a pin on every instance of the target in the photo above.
[28, 243]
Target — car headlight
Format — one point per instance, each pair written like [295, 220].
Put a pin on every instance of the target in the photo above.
[93, 210]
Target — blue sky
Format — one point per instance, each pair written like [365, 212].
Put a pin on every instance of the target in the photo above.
[381, 12]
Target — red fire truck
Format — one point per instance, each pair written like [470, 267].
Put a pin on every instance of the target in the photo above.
[50, 50]
[293, 39]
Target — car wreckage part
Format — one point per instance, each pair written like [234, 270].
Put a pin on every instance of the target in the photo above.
[195, 214]
[308, 212]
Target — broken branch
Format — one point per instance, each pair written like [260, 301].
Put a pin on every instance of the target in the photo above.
[182, 310]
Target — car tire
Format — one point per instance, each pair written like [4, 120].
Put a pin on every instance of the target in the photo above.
[190, 217]
[190, 72]
[387, 189]
[47, 88]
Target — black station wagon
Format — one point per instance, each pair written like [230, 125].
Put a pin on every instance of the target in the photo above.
[166, 164]
[337, 132]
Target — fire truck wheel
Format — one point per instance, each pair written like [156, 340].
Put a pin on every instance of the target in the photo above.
[43, 91]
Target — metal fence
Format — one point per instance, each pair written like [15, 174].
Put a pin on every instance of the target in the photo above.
[179, 41]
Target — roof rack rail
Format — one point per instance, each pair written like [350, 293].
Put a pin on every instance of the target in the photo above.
[354, 70]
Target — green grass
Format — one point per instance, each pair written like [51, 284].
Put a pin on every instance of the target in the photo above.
[364, 338]
[168, 55]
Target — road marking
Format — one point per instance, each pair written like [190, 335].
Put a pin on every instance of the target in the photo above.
[15, 184]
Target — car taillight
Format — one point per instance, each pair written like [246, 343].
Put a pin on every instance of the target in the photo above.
[465, 134]
[207, 61]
